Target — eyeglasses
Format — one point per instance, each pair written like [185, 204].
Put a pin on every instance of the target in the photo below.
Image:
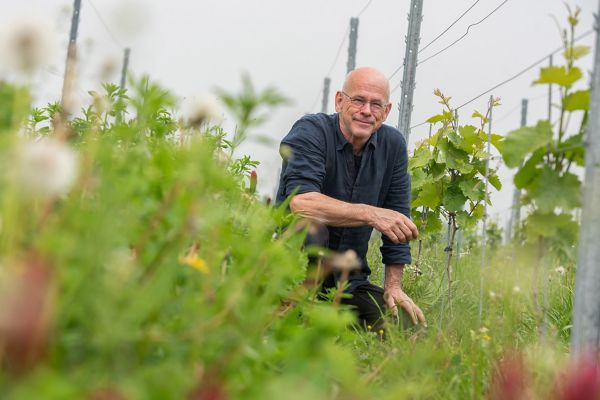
[359, 103]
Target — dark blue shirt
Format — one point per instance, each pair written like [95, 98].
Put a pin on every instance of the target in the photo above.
[317, 158]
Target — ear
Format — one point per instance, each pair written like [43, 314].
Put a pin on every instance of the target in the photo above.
[388, 108]
[339, 98]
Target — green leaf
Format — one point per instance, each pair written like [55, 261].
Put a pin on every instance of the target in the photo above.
[454, 199]
[579, 100]
[547, 224]
[445, 116]
[574, 149]
[455, 158]
[430, 224]
[428, 196]
[436, 171]
[420, 158]
[523, 141]
[552, 190]
[479, 115]
[495, 181]
[473, 188]
[478, 211]
[470, 137]
[576, 52]
[418, 177]
[529, 171]
[559, 75]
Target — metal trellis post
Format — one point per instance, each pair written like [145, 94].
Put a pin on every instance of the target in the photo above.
[410, 67]
[352, 44]
[586, 314]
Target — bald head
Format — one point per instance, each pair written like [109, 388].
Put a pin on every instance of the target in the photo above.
[367, 77]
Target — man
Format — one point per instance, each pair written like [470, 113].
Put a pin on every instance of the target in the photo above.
[348, 171]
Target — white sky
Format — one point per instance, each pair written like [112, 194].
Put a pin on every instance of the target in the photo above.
[191, 47]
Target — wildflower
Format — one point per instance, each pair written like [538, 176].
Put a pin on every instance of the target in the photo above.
[516, 290]
[200, 110]
[195, 262]
[509, 379]
[100, 103]
[346, 261]
[253, 182]
[26, 314]
[47, 167]
[580, 381]
[560, 270]
[493, 295]
[27, 43]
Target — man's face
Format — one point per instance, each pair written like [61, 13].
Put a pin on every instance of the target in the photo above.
[363, 107]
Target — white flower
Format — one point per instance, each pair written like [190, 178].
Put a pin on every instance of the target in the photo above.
[346, 261]
[492, 295]
[200, 110]
[47, 167]
[560, 270]
[27, 43]
[516, 289]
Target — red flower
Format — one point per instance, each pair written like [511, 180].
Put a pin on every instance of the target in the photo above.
[581, 381]
[509, 379]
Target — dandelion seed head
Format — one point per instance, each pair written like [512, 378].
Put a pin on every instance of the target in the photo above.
[560, 270]
[46, 167]
[347, 260]
[27, 43]
[201, 110]
[108, 70]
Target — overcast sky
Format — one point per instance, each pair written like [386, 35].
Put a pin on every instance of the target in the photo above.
[192, 47]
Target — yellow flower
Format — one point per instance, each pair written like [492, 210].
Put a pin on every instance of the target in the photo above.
[195, 262]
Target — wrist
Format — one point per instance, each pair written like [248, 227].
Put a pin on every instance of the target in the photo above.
[366, 212]
[393, 276]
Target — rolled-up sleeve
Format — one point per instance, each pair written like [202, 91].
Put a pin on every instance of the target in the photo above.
[303, 152]
[398, 199]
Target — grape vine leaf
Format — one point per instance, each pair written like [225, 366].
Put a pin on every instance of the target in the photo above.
[559, 75]
[552, 190]
[579, 100]
[522, 141]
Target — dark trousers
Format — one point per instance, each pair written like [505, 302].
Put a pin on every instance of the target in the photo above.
[367, 302]
[367, 299]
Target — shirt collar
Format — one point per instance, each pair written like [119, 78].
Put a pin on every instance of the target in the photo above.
[341, 140]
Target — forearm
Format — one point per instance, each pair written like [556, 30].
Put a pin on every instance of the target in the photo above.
[393, 276]
[331, 211]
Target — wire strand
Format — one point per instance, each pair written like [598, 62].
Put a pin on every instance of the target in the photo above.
[464, 35]
[105, 25]
[518, 74]
[450, 26]
[364, 8]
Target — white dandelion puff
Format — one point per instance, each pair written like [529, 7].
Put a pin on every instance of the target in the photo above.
[200, 110]
[47, 167]
[27, 43]
[560, 270]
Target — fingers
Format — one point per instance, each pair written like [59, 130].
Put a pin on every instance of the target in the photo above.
[409, 307]
[390, 303]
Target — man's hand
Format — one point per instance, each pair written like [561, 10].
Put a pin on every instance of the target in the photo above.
[396, 226]
[396, 296]
[393, 295]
